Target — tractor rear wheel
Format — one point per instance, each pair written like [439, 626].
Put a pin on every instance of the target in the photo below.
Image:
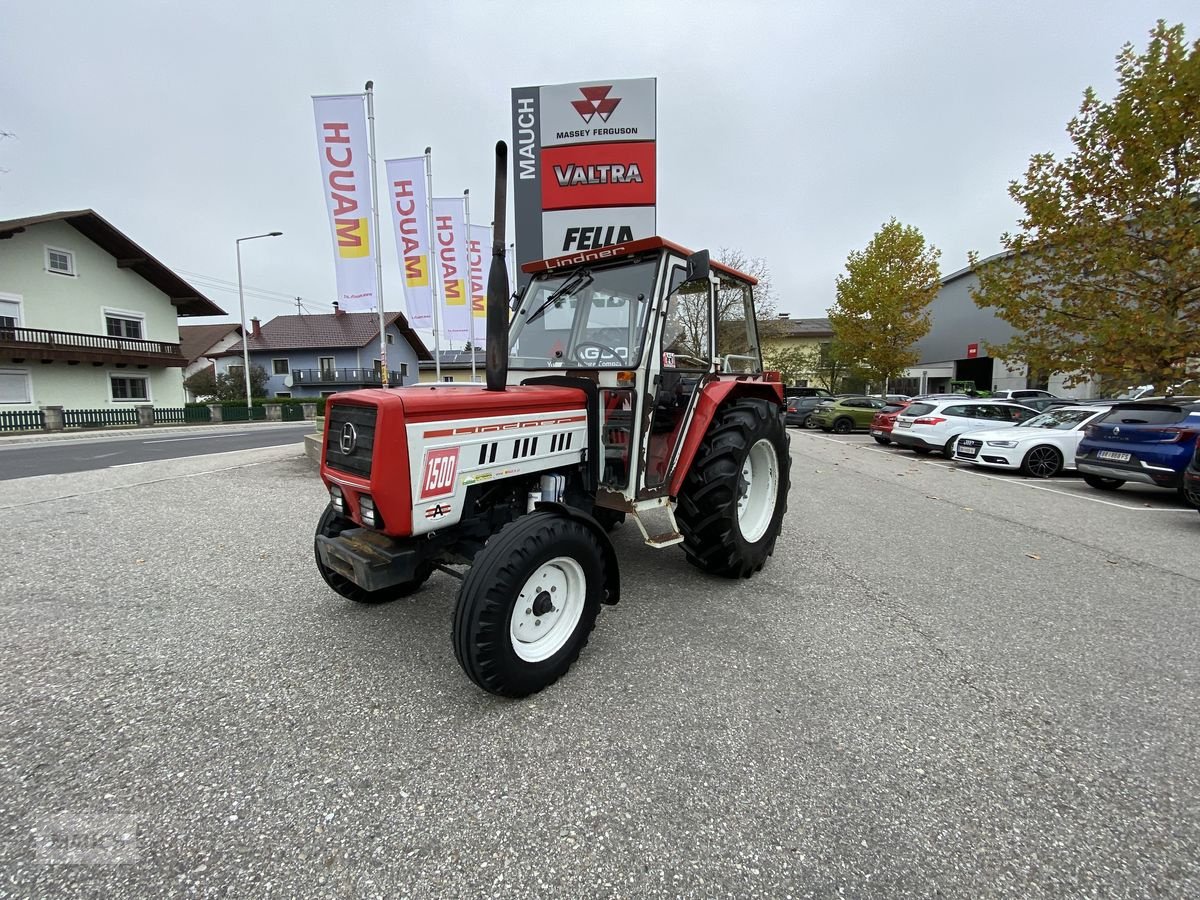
[528, 604]
[331, 525]
[733, 499]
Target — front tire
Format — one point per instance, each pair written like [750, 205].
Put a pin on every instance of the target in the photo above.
[1042, 462]
[733, 499]
[843, 426]
[331, 525]
[528, 604]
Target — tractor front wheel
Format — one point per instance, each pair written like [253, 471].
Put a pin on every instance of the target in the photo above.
[331, 525]
[528, 604]
[733, 499]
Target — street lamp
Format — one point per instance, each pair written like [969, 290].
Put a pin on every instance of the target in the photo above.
[242, 312]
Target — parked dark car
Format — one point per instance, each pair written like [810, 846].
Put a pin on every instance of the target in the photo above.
[799, 409]
[1147, 442]
[805, 392]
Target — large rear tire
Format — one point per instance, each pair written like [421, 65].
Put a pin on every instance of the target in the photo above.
[331, 525]
[733, 499]
[528, 604]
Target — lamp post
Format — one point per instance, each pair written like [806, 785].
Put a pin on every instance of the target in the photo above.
[242, 313]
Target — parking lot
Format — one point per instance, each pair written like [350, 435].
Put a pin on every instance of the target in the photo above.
[943, 682]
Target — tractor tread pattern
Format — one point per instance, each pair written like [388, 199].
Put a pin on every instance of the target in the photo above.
[480, 627]
[707, 507]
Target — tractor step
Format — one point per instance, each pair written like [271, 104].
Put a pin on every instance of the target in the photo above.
[664, 539]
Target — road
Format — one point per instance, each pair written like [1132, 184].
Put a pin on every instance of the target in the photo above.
[940, 685]
[61, 456]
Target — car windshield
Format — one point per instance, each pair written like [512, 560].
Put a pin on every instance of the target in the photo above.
[592, 320]
[1059, 419]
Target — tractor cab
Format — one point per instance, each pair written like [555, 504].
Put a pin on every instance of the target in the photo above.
[652, 325]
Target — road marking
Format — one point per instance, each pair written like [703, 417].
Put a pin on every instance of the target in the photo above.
[104, 456]
[1002, 480]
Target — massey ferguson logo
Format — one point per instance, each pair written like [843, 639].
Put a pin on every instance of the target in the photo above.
[437, 477]
[596, 102]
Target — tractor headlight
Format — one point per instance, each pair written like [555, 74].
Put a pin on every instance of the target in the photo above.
[336, 498]
[366, 509]
[1002, 443]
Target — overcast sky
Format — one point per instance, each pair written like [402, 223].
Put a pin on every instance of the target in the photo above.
[791, 131]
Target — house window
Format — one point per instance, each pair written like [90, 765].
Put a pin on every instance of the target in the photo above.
[236, 372]
[447, 378]
[126, 388]
[325, 363]
[279, 366]
[14, 386]
[391, 339]
[60, 262]
[10, 311]
[403, 370]
[283, 394]
[123, 324]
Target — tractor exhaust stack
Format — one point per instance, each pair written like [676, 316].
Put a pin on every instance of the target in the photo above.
[497, 285]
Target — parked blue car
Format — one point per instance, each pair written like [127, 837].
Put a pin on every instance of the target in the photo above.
[1147, 442]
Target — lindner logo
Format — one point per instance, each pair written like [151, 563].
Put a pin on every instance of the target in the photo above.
[597, 103]
[349, 439]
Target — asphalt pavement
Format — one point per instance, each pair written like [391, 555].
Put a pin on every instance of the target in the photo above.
[940, 685]
[84, 453]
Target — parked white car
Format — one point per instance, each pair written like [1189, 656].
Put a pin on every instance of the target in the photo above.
[936, 424]
[1023, 394]
[1040, 447]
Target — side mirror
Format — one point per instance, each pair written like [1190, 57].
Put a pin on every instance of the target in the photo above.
[697, 267]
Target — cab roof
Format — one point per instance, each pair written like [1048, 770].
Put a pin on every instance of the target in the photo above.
[628, 248]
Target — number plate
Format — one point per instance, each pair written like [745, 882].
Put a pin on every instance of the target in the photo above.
[1113, 455]
[967, 449]
[902, 424]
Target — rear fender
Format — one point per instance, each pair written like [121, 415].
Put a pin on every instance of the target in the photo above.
[712, 396]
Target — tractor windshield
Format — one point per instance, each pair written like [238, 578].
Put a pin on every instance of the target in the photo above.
[584, 319]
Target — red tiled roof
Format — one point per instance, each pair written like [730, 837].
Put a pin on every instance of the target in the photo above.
[194, 340]
[306, 332]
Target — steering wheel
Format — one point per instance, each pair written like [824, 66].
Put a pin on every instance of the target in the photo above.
[603, 348]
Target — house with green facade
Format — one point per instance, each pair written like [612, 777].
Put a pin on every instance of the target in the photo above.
[88, 319]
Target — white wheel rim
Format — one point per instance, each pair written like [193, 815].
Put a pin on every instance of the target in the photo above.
[548, 608]
[757, 489]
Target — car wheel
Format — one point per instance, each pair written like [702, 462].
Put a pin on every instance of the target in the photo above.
[843, 426]
[1189, 498]
[1100, 483]
[1042, 462]
[807, 423]
[948, 449]
[882, 440]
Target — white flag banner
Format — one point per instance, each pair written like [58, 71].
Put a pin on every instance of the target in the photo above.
[346, 177]
[479, 254]
[410, 222]
[450, 238]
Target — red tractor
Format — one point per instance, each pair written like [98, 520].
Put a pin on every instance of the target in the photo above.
[624, 382]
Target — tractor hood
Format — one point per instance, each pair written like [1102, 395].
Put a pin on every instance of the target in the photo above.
[415, 450]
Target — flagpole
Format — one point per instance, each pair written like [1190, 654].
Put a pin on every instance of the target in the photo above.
[470, 280]
[433, 282]
[383, 367]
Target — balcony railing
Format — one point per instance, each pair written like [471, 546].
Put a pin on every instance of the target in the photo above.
[100, 347]
[343, 377]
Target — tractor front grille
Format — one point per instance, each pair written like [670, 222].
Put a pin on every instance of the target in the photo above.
[350, 426]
